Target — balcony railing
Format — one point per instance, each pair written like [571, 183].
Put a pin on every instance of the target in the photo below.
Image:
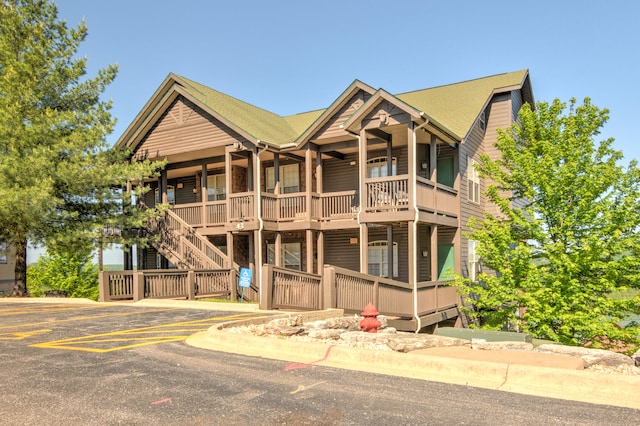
[381, 195]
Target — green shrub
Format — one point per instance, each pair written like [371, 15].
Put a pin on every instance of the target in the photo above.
[73, 273]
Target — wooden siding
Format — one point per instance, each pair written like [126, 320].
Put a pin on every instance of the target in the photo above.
[340, 175]
[332, 128]
[185, 194]
[385, 114]
[499, 115]
[339, 252]
[182, 128]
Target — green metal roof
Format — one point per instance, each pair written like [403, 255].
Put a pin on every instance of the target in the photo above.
[257, 122]
[455, 106]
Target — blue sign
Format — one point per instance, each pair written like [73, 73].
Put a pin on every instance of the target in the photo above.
[245, 277]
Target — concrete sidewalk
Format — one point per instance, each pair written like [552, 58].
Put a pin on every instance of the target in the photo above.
[530, 373]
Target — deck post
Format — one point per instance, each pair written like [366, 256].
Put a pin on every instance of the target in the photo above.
[328, 287]
[266, 287]
[191, 284]
[138, 286]
[103, 287]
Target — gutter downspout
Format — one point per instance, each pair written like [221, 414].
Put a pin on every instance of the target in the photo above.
[415, 221]
[259, 212]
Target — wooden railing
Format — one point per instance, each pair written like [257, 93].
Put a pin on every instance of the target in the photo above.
[335, 205]
[436, 197]
[172, 284]
[389, 193]
[284, 207]
[241, 207]
[289, 289]
[352, 291]
[183, 246]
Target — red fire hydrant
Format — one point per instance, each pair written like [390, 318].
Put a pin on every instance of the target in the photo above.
[370, 323]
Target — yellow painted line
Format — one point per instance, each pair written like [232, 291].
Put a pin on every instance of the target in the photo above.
[21, 335]
[121, 314]
[48, 308]
[136, 337]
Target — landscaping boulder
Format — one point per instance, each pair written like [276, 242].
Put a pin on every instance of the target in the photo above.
[589, 356]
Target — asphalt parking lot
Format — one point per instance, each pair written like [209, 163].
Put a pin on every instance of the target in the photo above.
[96, 364]
[104, 328]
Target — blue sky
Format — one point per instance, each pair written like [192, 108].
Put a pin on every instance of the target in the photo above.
[297, 56]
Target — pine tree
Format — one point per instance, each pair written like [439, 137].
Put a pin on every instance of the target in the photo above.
[59, 177]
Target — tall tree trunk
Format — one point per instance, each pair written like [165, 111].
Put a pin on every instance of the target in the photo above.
[20, 285]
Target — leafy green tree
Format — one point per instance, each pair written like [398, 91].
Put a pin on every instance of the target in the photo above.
[58, 174]
[566, 234]
[71, 272]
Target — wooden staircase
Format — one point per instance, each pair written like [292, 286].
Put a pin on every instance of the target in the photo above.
[182, 245]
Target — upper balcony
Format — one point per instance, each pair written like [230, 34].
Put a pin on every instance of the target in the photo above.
[328, 210]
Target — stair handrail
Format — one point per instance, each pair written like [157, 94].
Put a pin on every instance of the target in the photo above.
[220, 259]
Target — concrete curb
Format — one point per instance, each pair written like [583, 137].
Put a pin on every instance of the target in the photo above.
[156, 303]
[584, 386]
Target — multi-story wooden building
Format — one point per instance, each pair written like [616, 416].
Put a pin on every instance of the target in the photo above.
[377, 183]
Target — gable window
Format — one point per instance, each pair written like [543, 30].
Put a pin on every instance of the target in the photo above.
[216, 187]
[290, 255]
[474, 261]
[289, 179]
[379, 259]
[377, 167]
[482, 121]
[474, 181]
[171, 195]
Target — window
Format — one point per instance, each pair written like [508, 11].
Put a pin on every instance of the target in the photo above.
[3, 252]
[474, 181]
[473, 259]
[216, 187]
[290, 255]
[482, 121]
[171, 195]
[379, 259]
[377, 167]
[445, 171]
[289, 179]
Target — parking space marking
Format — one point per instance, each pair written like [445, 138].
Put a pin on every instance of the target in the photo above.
[119, 314]
[136, 337]
[35, 309]
[21, 335]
